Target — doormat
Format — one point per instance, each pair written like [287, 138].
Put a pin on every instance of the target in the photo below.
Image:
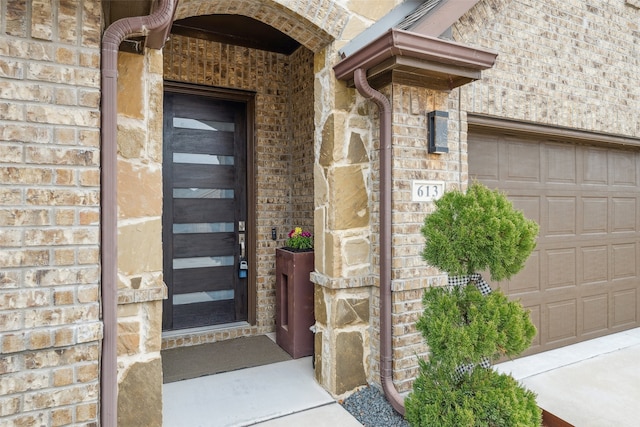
[207, 359]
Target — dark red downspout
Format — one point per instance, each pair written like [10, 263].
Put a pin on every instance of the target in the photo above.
[113, 36]
[386, 350]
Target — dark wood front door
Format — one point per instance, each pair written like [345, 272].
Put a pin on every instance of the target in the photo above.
[204, 210]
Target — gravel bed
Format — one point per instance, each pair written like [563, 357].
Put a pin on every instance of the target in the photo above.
[371, 408]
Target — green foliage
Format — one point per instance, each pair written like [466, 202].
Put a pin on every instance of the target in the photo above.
[462, 326]
[470, 233]
[483, 398]
[477, 231]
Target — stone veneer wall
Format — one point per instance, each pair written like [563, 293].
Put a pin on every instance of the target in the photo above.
[352, 320]
[284, 153]
[140, 285]
[50, 328]
[347, 226]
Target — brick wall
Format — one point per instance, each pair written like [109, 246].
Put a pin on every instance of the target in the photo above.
[560, 63]
[311, 22]
[410, 274]
[50, 329]
[565, 63]
[302, 134]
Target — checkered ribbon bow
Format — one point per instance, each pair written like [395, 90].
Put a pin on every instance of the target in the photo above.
[485, 289]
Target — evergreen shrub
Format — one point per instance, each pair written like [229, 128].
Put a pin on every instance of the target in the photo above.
[476, 231]
[485, 398]
[469, 233]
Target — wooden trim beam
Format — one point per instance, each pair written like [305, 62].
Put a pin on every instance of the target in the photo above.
[485, 122]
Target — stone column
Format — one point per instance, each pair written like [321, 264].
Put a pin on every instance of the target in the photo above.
[141, 286]
[343, 235]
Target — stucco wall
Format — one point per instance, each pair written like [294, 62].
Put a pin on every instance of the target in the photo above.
[50, 328]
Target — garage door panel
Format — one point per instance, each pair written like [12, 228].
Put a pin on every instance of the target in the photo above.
[562, 325]
[529, 205]
[595, 214]
[487, 154]
[625, 313]
[561, 163]
[594, 264]
[561, 215]
[624, 260]
[623, 168]
[595, 311]
[595, 166]
[623, 214]
[582, 279]
[528, 280]
[560, 267]
[523, 162]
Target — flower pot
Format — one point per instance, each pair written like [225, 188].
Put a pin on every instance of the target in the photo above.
[294, 302]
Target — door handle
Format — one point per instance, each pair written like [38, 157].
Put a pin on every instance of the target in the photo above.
[241, 240]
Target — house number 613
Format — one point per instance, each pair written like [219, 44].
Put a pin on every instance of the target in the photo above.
[426, 191]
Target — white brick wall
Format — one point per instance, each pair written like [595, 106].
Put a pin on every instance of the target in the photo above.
[49, 210]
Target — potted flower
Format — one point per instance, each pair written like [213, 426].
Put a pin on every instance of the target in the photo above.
[294, 294]
[299, 240]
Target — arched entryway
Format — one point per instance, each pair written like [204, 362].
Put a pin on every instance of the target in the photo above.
[257, 57]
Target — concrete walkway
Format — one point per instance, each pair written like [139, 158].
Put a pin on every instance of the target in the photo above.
[277, 395]
[594, 383]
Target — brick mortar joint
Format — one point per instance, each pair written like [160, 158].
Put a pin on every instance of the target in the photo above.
[52, 330]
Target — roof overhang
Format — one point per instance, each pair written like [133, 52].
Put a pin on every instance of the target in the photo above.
[418, 60]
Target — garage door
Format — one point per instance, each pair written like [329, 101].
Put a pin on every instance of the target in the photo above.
[582, 280]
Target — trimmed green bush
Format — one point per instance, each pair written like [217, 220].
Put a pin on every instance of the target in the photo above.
[468, 233]
[478, 231]
[484, 398]
[462, 326]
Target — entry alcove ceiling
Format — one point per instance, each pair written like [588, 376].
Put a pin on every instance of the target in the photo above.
[236, 30]
[230, 29]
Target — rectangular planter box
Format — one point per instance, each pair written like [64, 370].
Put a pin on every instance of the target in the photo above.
[294, 302]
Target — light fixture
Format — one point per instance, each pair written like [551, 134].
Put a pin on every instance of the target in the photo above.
[437, 126]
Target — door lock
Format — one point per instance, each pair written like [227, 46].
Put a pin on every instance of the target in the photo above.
[243, 265]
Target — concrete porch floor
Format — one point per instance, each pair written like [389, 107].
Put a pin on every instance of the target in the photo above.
[280, 394]
[594, 383]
